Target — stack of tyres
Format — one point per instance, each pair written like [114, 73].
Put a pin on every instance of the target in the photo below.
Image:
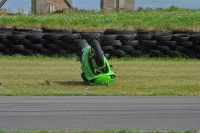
[106, 44]
[182, 43]
[114, 43]
[196, 44]
[12, 43]
[67, 45]
[124, 39]
[31, 44]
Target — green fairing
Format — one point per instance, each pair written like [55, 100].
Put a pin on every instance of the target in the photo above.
[89, 75]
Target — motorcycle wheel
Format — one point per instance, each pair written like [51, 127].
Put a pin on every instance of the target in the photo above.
[84, 78]
[99, 58]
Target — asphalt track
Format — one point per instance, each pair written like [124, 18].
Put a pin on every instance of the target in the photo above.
[99, 113]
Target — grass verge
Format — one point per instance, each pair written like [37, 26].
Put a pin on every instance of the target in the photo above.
[160, 20]
[59, 76]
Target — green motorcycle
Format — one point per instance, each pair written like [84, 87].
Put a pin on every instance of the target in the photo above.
[95, 67]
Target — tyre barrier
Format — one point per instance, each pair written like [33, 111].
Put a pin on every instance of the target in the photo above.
[114, 43]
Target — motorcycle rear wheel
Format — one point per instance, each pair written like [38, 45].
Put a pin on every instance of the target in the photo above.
[99, 57]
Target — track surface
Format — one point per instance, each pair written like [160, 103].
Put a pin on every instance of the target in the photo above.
[99, 113]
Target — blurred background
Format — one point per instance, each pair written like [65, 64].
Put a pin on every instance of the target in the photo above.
[61, 6]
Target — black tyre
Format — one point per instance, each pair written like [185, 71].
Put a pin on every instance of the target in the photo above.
[77, 41]
[3, 36]
[195, 38]
[44, 41]
[27, 52]
[107, 49]
[44, 51]
[26, 43]
[107, 37]
[144, 48]
[114, 43]
[180, 49]
[126, 37]
[169, 43]
[144, 36]
[1, 46]
[83, 44]
[60, 43]
[92, 35]
[129, 52]
[162, 37]
[7, 51]
[52, 36]
[84, 78]
[36, 47]
[99, 58]
[16, 37]
[155, 53]
[68, 37]
[52, 47]
[118, 53]
[16, 47]
[7, 43]
[7, 31]
[71, 48]
[196, 48]
[163, 48]
[186, 44]
[136, 53]
[34, 37]
[196, 44]
[18, 32]
[133, 43]
[180, 37]
[149, 43]
[126, 48]
[51, 53]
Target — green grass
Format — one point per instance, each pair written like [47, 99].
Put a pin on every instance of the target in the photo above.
[160, 20]
[45, 76]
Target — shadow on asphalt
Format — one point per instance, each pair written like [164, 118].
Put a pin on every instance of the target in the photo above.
[70, 83]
